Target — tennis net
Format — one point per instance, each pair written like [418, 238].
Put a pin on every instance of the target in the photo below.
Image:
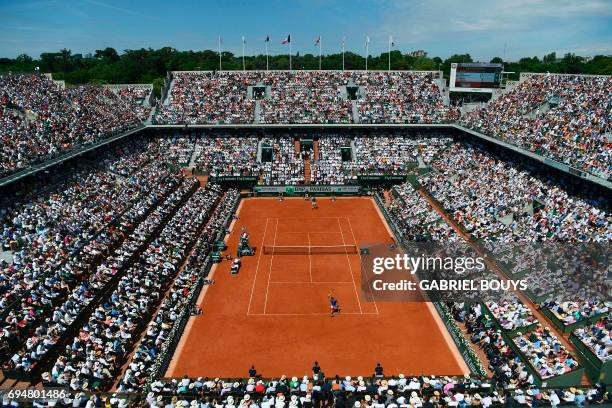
[309, 249]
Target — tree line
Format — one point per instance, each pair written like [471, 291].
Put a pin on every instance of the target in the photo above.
[107, 66]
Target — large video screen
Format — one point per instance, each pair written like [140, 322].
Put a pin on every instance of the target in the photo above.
[476, 77]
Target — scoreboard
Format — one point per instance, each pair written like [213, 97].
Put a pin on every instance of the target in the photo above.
[475, 77]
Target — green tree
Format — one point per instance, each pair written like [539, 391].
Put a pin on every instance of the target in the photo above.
[23, 59]
[550, 58]
[109, 54]
[149, 65]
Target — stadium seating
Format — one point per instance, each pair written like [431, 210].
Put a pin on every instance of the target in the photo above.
[227, 156]
[39, 119]
[158, 339]
[203, 97]
[304, 97]
[362, 391]
[96, 260]
[596, 337]
[415, 217]
[401, 97]
[480, 191]
[564, 117]
[106, 338]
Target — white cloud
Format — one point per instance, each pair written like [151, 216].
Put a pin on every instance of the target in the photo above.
[485, 27]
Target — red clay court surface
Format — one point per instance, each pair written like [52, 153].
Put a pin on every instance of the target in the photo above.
[275, 313]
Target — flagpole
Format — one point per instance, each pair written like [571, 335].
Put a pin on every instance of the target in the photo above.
[319, 52]
[290, 52]
[220, 68]
[389, 68]
[367, 52]
[343, 39]
[266, 53]
[243, 66]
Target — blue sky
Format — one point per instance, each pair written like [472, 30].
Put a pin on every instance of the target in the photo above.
[483, 28]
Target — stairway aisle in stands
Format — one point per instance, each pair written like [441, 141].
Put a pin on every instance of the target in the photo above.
[355, 110]
[257, 114]
[296, 144]
[315, 146]
[203, 180]
[307, 170]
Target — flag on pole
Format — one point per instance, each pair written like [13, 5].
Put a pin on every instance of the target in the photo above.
[287, 40]
[367, 45]
[243, 42]
[391, 44]
[318, 41]
[266, 42]
[220, 65]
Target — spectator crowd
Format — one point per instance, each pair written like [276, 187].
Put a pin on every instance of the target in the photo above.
[316, 391]
[205, 97]
[596, 337]
[100, 348]
[107, 260]
[39, 119]
[494, 199]
[157, 338]
[564, 117]
[322, 97]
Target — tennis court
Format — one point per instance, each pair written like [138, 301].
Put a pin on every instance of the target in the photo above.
[278, 304]
[304, 261]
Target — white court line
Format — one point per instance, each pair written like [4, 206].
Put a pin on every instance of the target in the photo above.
[309, 232]
[309, 218]
[310, 314]
[350, 267]
[355, 240]
[321, 283]
[260, 250]
[270, 271]
[309, 259]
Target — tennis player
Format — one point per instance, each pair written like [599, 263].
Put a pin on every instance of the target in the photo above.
[314, 203]
[334, 305]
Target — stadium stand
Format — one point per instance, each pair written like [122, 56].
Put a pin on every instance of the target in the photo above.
[545, 353]
[597, 338]
[480, 191]
[304, 97]
[105, 340]
[361, 392]
[100, 269]
[40, 120]
[227, 156]
[180, 300]
[401, 97]
[417, 220]
[564, 117]
[329, 168]
[204, 97]
[286, 167]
